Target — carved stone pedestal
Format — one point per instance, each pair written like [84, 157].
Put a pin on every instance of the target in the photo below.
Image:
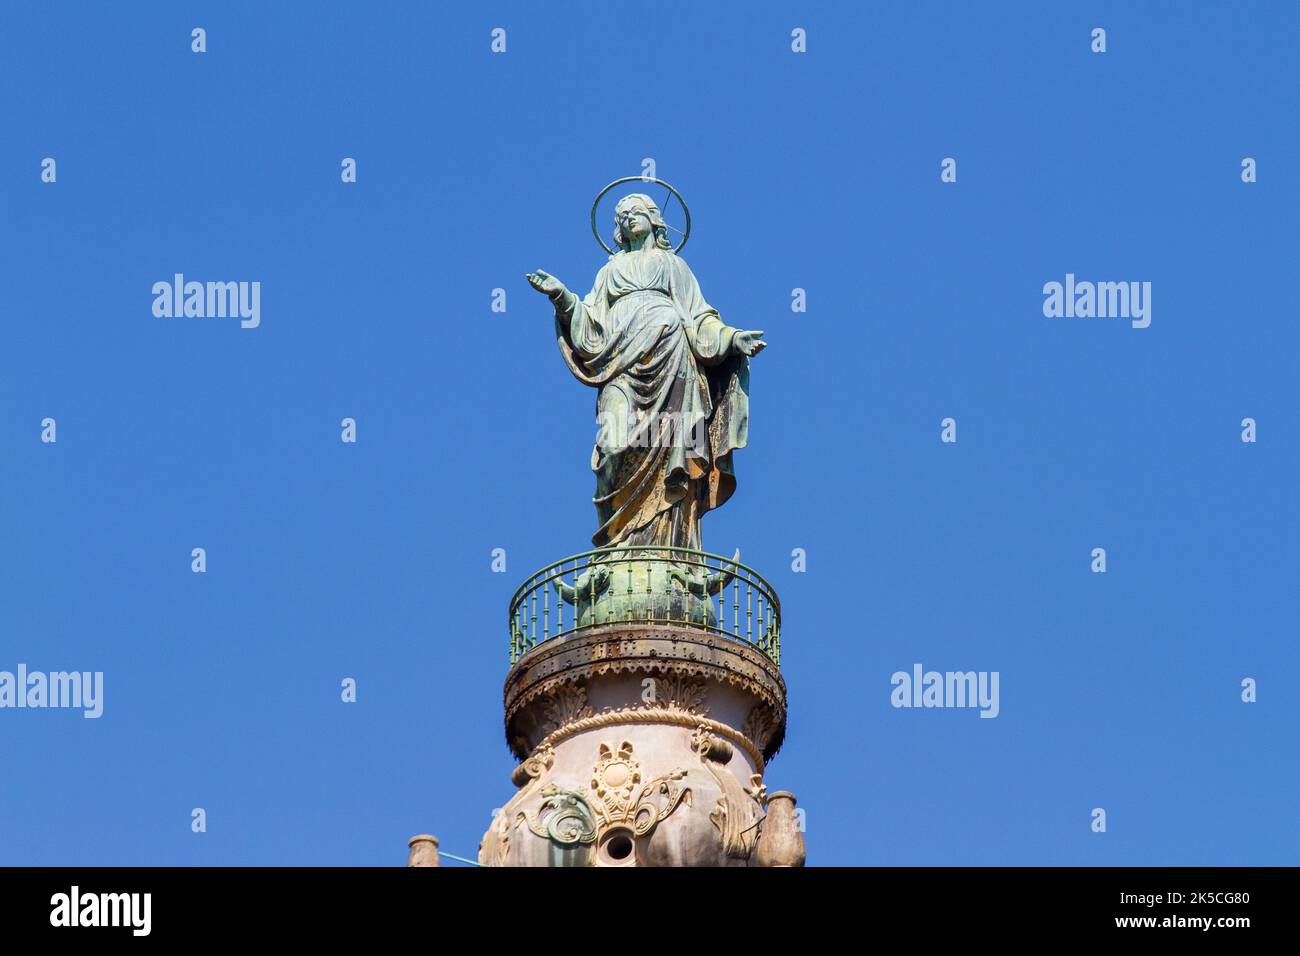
[642, 745]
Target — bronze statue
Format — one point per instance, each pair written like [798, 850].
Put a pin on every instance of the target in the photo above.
[673, 384]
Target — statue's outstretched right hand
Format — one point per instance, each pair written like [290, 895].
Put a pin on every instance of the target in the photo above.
[545, 282]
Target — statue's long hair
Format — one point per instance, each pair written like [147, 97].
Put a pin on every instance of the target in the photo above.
[656, 223]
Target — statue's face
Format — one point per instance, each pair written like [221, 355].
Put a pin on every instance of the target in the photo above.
[633, 219]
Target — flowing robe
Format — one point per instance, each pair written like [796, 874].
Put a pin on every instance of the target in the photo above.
[673, 401]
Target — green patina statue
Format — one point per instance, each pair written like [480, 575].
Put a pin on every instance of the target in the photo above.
[673, 384]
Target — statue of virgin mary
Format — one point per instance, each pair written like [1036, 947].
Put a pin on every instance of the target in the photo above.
[673, 383]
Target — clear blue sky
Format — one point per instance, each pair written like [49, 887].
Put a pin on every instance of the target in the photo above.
[818, 171]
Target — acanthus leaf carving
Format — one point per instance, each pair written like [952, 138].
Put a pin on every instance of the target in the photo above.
[561, 706]
[760, 725]
[678, 692]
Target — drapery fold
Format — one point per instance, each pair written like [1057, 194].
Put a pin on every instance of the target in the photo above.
[673, 402]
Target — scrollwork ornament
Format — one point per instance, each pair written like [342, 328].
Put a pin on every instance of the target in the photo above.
[564, 817]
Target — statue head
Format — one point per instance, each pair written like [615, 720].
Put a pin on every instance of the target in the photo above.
[636, 215]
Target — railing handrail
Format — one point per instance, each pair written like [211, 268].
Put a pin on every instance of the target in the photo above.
[527, 585]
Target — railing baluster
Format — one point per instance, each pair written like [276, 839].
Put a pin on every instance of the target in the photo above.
[722, 601]
[735, 606]
[749, 612]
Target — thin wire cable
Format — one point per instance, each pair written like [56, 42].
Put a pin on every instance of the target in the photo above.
[458, 859]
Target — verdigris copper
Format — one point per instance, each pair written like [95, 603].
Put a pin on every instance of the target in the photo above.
[673, 381]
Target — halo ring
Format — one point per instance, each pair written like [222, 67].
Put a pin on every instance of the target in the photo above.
[639, 179]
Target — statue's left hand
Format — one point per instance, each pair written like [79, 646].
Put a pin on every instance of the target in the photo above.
[749, 343]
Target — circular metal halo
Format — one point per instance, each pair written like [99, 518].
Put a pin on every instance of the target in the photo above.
[639, 179]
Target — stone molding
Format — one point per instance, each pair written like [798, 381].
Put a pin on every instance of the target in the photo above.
[553, 676]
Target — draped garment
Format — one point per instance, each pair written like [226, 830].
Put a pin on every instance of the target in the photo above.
[673, 402]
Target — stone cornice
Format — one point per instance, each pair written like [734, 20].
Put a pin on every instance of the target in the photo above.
[665, 649]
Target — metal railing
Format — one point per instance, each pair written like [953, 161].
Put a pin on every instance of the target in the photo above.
[646, 585]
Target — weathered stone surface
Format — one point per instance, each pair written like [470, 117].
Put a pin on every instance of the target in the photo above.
[780, 841]
[424, 850]
[758, 707]
[645, 745]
